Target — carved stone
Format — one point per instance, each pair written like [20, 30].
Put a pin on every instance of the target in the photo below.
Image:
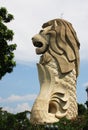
[58, 70]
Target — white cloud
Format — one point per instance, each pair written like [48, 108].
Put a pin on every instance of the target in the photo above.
[30, 15]
[19, 108]
[17, 98]
[85, 84]
[16, 103]
[1, 99]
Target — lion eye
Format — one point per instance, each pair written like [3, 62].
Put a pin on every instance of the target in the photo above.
[41, 31]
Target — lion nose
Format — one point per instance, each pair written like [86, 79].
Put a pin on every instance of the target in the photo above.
[33, 40]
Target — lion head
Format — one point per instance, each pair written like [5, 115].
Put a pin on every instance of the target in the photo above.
[59, 40]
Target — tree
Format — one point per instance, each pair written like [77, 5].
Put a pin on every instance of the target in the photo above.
[6, 48]
[81, 109]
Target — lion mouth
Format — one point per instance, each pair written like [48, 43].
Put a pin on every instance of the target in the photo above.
[38, 44]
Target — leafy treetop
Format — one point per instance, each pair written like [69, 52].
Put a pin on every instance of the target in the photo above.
[6, 49]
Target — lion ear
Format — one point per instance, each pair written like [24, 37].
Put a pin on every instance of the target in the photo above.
[55, 23]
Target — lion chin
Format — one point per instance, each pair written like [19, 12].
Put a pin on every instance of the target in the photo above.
[58, 69]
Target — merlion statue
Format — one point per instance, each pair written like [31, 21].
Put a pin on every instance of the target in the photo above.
[58, 45]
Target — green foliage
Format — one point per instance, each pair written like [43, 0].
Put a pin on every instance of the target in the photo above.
[75, 124]
[17, 121]
[20, 121]
[6, 49]
[81, 109]
[86, 104]
[5, 16]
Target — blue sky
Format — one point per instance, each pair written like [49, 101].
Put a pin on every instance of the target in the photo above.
[19, 89]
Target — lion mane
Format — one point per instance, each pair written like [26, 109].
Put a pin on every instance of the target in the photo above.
[63, 45]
